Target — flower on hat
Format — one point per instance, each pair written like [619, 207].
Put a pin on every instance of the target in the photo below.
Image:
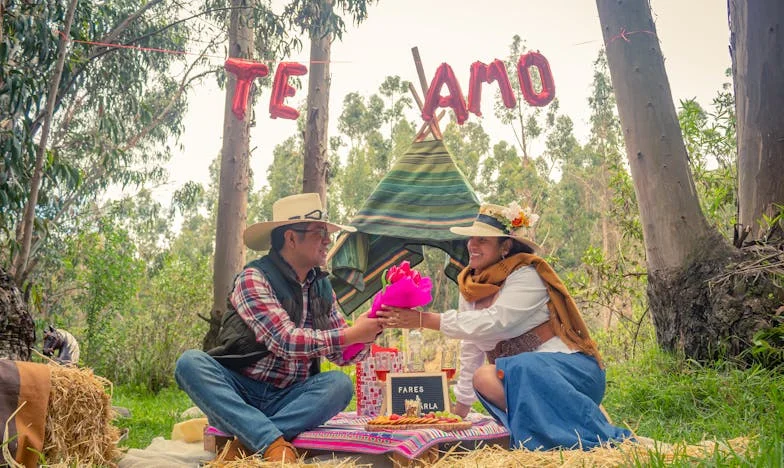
[514, 217]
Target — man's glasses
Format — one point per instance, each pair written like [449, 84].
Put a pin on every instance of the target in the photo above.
[323, 233]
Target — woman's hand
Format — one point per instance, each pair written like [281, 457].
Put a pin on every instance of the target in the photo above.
[397, 317]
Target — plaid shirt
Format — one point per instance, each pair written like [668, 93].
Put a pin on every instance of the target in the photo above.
[292, 345]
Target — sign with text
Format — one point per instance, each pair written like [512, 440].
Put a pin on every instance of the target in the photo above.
[430, 387]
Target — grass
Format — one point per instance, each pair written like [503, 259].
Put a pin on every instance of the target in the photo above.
[152, 415]
[675, 400]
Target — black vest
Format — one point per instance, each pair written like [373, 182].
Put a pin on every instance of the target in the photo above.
[238, 346]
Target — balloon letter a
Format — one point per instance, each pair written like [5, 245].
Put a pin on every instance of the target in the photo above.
[445, 76]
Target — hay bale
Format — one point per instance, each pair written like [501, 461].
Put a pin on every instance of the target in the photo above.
[624, 454]
[78, 421]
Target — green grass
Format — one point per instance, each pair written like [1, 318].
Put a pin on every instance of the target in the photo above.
[675, 400]
[152, 415]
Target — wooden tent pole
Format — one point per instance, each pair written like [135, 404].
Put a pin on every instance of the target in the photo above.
[433, 124]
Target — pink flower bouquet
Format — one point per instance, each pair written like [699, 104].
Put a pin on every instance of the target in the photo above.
[402, 287]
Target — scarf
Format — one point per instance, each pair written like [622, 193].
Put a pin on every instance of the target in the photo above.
[565, 318]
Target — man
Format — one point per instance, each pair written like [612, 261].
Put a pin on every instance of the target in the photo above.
[262, 384]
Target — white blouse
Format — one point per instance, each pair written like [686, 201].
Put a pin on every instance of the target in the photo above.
[520, 306]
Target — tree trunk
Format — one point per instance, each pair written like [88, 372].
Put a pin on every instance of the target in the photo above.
[316, 162]
[26, 238]
[757, 49]
[673, 225]
[17, 330]
[233, 189]
[703, 318]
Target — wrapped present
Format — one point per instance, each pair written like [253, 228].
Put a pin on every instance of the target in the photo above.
[368, 387]
[402, 287]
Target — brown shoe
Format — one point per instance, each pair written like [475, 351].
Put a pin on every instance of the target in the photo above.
[281, 451]
[234, 450]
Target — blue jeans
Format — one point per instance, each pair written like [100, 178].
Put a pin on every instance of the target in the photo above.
[255, 412]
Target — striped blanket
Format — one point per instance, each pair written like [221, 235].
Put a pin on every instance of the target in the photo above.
[24, 386]
[345, 433]
[422, 195]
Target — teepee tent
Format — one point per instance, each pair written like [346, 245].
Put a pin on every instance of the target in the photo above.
[422, 195]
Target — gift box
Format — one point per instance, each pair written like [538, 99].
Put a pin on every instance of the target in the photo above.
[368, 387]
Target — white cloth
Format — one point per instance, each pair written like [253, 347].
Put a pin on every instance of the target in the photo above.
[163, 453]
[520, 306]
[69, 353]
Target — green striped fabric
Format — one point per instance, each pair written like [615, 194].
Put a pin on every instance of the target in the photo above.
[415, 204]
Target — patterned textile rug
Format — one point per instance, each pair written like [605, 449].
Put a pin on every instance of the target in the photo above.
[346, 433]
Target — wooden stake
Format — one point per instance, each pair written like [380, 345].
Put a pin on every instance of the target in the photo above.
[433, 124]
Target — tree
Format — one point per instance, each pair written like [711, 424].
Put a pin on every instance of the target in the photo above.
[699, 302]
[26, 228]
[235, 163]
[371, 150]
[114, 110]
[317, 109]
[272, 41]
[757, 49]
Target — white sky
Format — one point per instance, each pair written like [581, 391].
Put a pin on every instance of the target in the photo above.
[694, 39]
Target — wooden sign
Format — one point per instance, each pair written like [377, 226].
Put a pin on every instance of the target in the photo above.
[430, 387]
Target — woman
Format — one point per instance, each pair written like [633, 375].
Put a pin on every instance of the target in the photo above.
[545, 378]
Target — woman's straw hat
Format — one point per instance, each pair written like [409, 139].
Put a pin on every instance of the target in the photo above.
[302, 208]
[503, 221]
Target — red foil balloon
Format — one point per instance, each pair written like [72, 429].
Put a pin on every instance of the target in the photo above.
[481, 73]
[535, 59]
[281, 89]
[246, 71]
[445, 76]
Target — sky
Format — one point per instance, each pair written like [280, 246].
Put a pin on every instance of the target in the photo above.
[694, 37]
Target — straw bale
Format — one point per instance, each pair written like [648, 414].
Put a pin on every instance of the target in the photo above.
[627, 453]
[78, 421]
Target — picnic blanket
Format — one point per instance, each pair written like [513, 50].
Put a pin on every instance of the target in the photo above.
[346, 433]
[24, 389]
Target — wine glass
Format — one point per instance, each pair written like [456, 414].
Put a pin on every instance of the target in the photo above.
[449, 363]
[383, 366]
[414, 359]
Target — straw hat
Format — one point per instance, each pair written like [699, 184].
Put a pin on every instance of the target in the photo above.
[503, 221]
[302, 208]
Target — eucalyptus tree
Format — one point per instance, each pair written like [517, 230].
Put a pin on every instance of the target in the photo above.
[525, 121]
[704, 298]
[253, 26]
[757, 48]
[318, 19]
[469, 144]
[377, 132]
[113, 113]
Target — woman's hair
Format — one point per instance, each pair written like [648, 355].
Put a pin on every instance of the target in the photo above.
[517, 246]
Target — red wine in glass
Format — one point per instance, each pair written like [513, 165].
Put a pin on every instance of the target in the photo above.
[450, 373]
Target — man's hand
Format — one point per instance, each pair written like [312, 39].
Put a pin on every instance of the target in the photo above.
[364, 330]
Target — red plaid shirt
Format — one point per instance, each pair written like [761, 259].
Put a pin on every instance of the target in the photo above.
[292, 345]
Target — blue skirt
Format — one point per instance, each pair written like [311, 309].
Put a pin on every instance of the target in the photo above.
[553, 402]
